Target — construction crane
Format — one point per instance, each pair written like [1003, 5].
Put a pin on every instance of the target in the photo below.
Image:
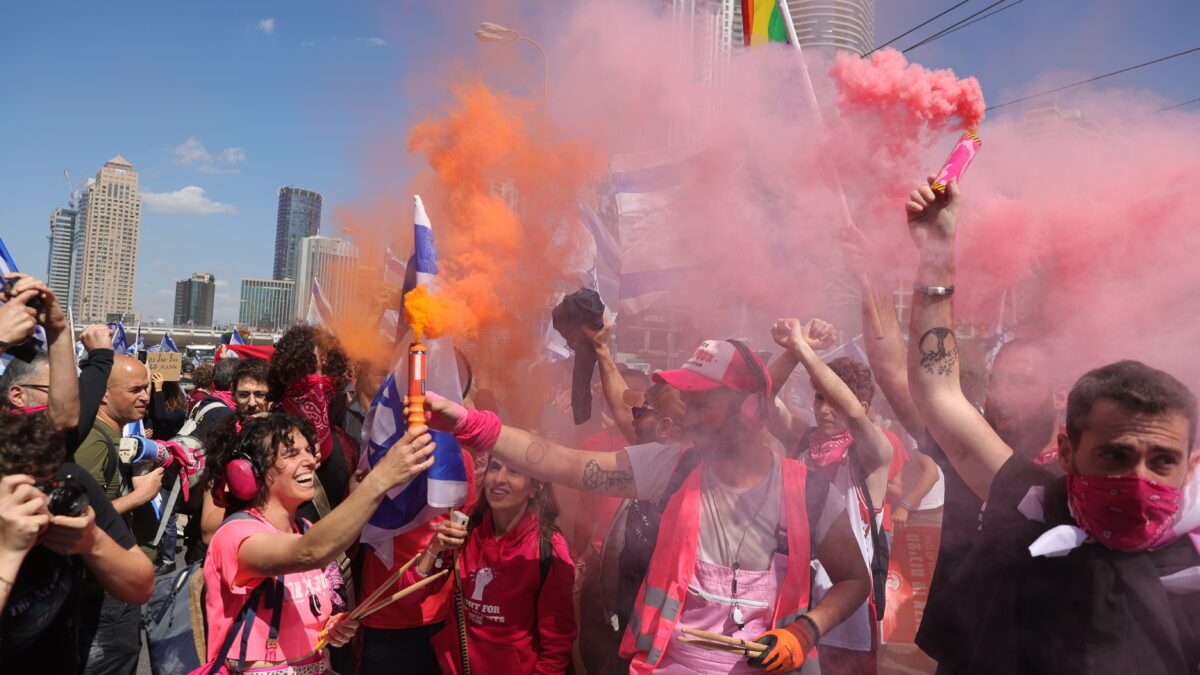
[72, 193]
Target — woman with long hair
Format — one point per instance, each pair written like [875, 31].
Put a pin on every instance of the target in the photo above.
[515, 575]
[265, 566]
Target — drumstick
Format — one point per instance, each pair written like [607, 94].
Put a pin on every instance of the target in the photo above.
[365, 604]
[400, 594]
[720, 646]
[725, 639]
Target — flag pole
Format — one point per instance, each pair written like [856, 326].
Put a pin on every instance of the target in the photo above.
[864, 283]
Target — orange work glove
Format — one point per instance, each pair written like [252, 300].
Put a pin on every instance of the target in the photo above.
[786, 648]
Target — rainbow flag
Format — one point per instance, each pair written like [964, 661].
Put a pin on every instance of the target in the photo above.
[762, 22]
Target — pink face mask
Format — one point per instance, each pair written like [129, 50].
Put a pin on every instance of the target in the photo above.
[824, 451]
[29, 409]
[1124, 513]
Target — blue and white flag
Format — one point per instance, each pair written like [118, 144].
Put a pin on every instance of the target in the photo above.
[9, 266]
[120, 342]
[235, 337]
[655, 256]
[319, 311]
[444, 485]
[139, 345]
[166, 346]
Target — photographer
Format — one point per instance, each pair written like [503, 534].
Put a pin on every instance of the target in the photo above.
[117, 635]
[50, 560]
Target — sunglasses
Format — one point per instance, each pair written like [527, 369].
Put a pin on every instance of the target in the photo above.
[39, 387]
[642, 411]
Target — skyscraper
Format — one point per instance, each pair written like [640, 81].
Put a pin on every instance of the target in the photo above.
[106, 243]
[267, 304]
[331, 262]
[299, 216]
[58, 263]
[194, 300]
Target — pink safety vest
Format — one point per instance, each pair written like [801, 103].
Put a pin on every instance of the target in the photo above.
[661, 597]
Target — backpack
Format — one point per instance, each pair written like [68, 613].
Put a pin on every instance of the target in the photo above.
[176, 627]
[197, 415]
[632, 545]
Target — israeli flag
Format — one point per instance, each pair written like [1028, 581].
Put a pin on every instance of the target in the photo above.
[139, 345]
[444, 485]
[235, 337]
[120, 342]
[319, 311]
[7, 267]
[167, 346]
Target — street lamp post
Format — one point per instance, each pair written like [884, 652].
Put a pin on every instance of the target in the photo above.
[491, 32]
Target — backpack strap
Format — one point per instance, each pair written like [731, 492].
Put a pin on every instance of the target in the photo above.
[545, 557]
[110, 462]
[879, 558]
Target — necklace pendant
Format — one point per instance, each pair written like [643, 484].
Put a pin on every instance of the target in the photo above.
[738, 618]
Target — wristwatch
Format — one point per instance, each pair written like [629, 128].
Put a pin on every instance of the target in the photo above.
[933, 291]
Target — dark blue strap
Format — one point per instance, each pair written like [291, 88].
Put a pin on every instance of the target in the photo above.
[239, 622]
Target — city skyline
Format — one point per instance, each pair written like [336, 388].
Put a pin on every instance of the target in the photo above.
[209, 170]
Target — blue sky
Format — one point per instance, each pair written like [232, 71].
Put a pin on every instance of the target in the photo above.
[218, 103]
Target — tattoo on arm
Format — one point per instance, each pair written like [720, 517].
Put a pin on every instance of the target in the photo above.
[535, 452]
[939, 351]
[596, 478]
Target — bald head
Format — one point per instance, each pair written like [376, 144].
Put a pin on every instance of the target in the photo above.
[128, 391]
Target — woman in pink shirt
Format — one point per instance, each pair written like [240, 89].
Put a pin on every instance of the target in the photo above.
[266, 573]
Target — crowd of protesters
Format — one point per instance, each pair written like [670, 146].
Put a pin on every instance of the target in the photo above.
[717, 526]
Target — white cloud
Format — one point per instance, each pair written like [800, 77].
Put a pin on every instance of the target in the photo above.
[371, 42]
[267, 26]
[221, 283]
[190, 199]
[192, 153]
[308, 43]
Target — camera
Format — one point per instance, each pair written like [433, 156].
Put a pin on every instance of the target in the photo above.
[67, 498]
[35, 303]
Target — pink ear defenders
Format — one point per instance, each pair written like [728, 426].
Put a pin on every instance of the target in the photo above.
[241, 478]
[754, 408]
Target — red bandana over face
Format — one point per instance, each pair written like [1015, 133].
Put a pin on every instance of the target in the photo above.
[827, 450]
[308, 398]
[1125, 513]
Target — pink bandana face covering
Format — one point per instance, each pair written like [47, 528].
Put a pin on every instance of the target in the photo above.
[1124, 513]
[825, 451]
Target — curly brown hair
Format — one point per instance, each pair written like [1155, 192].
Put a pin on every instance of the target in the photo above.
[30, 444]
[295, 356]
[202, 376]
[856, 375]
[260, 439]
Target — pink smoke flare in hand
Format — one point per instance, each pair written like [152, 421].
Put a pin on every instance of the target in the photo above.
[958, 161]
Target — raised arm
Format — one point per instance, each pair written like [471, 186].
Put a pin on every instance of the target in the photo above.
[93, 378]
[606, 473]
[271, 554]
[972, 447]
[62, 407]
[611, 381]
[783, 424]
[885, 354]
[872, 447]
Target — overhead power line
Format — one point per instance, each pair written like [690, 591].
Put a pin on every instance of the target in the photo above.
[1177, 105]
[1093, 79]
[961, 25]
[916, 27]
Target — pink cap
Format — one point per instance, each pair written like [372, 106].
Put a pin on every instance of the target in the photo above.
[716, 363]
